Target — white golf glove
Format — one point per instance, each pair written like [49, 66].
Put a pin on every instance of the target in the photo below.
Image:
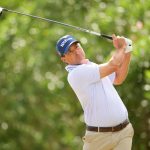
[129, 45]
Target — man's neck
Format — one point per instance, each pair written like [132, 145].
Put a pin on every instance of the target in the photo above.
[84, 61]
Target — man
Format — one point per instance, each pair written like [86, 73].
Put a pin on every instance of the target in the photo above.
[105, 115]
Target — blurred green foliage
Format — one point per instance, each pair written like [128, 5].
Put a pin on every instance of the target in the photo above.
[38, 109]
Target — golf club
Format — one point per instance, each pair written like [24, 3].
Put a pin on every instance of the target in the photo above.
[57, 22]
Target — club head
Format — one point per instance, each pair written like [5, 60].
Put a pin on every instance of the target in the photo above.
[1, 11]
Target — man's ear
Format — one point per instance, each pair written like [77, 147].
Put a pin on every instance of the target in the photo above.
[63, 59]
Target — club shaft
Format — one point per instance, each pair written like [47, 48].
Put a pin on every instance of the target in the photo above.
[61, 23]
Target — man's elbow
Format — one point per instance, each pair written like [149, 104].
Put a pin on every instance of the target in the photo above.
[118, 81]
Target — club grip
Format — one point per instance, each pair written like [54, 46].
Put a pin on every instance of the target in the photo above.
[106, 36]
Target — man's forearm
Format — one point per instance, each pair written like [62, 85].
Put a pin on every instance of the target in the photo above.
[122, 71]
[113, 64]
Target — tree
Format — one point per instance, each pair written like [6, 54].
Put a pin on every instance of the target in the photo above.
[38, 108]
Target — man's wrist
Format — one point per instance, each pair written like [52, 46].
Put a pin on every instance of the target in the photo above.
[114, 64]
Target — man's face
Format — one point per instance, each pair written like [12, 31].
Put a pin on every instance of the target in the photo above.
[75, 55]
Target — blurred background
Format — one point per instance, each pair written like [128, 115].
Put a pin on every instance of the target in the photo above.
[38, 109]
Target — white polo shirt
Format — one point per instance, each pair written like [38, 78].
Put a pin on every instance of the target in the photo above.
[100, 101]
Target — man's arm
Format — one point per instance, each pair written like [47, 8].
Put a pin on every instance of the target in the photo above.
[122, 71]
[117, 60]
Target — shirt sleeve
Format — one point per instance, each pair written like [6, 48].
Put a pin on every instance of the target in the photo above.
[85, 74]
[112, 77]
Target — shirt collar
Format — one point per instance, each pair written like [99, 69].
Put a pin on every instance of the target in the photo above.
[71, 67]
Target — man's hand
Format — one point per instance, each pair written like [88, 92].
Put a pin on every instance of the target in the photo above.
[119, 42]
[122, 43]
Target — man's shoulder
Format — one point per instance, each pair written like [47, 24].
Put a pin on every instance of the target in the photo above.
[82, 72]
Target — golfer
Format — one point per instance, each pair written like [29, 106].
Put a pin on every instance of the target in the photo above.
[105, 115]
